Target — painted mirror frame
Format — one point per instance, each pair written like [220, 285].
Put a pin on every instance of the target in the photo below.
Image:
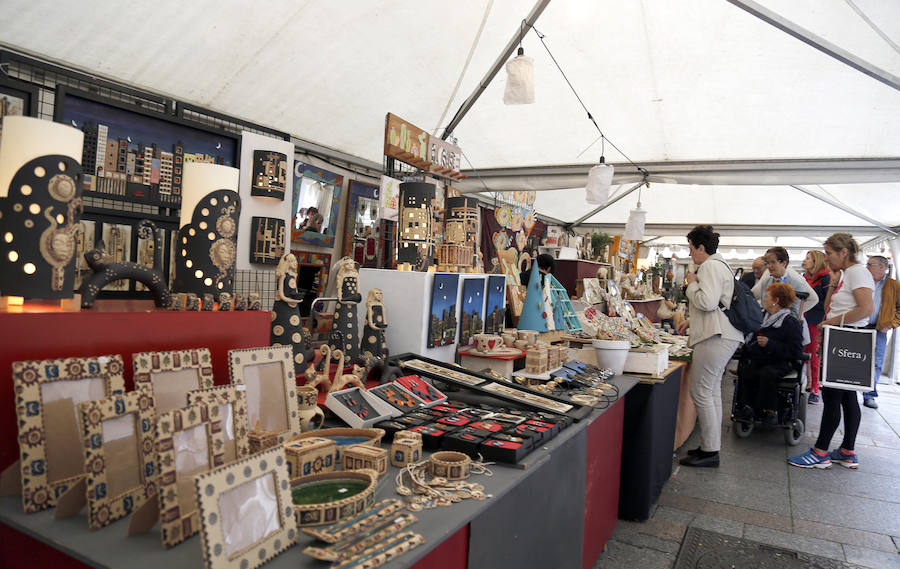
[307, 230]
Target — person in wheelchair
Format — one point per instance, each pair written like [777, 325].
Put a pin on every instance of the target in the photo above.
[767, 356]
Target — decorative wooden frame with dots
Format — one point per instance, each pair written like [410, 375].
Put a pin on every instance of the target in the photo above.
[148, 363]
[238, 360]
[28, 378]
[212, 485]
[176, 525]
[240, 422]
[104, 509]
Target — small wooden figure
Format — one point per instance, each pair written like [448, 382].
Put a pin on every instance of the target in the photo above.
[240, 303]
[192, 303]
[225, 301]
[253, 302]
[208, 302]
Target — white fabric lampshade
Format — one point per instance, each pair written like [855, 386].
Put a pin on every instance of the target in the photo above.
[519, 81]
[634, 228]
[598, 183]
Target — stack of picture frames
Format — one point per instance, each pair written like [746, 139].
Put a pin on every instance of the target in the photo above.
[84, 441]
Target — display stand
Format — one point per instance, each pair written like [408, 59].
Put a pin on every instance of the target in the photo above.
[504, 365]
[407, 304]
[647, 307]
[568, 271]
[649, 433]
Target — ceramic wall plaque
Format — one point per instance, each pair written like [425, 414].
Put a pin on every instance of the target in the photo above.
[269, 174]
[267, 240]
[47, 395]
[119, 455]
[442, 318]
[170, 375]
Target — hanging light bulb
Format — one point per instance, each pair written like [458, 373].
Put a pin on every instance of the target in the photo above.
[519, 80]
[634, 228]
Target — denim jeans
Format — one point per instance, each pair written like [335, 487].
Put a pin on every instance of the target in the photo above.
[880, 343]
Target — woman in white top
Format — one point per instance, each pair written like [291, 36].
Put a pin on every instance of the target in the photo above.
[713, 338]
[849, 303]
[777, 271]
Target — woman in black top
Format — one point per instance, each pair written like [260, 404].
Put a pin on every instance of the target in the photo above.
[769, 353]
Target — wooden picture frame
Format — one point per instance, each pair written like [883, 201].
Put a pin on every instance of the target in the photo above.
[267, 471]
[21, 99]
[45, 434]
[355, 245]
[309, 233]
[102, 455]
[172, 436]
[150, 369]
[217, 397]
[241, 366]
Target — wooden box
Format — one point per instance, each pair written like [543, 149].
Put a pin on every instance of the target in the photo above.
[310, 456]
[357, 457]
[650, 360]
[260, 440]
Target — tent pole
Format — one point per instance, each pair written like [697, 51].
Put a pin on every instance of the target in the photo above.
[818, 43]
[495, 68]
[846, 209]
[578, 221]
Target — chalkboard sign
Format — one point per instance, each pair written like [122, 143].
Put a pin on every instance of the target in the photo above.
[848, 358]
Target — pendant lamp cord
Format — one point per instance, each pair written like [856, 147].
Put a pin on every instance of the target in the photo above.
[603, 137]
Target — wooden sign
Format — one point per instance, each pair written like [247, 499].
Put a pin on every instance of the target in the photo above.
[445, 158]
[406, 142]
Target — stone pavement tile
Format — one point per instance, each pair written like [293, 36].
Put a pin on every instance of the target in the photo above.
[708, 484]
[846, 511]
[886, 442]
[719, 525]
[727, 511]
[667, 514]
[794, 542]
[849, 536]
[879, 460]
[871, 558]
[645, 541]
[768, 466]
[896, 541]
[840, 480]
[663, 529]
[619, 555]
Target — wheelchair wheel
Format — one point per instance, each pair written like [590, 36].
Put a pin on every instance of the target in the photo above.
[742, 430]
[794, 432]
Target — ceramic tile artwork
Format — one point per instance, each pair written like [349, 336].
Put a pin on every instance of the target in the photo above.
[49, 444]
[267, 240]
[495, 313]
[471, 321]
[442, 317]
[107, 445]
[225, 495]
[188, 442]
[269, 174]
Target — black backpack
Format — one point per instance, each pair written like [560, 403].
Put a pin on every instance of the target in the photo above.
[744, 312]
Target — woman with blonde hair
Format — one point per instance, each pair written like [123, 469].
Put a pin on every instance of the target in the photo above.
[818, 276]
[850, 303]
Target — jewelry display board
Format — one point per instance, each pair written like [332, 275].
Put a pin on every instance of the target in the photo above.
[487, 385]
[47, 393]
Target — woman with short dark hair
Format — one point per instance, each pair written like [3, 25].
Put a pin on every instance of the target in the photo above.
[713, 338]
[767, 355]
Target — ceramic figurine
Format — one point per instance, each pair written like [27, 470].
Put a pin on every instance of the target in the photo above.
[287, 329]
[208, 302]
[346, 380]
[373, 347]
[192, 302]
[224, 301]
[314, 379]
[308, 408]
[253, 302]
[175, 302]
[479, 262]
[344, 331]
[240, 303]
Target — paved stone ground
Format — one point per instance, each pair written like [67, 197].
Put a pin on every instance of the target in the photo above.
[848, 515]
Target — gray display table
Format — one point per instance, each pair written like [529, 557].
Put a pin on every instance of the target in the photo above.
[512, 528]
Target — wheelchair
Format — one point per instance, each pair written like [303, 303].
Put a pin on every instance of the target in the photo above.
[791, 407]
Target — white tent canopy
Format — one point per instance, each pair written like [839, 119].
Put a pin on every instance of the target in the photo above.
[720, 107]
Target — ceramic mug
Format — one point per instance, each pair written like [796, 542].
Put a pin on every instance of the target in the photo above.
[486, 343]
[521, 344]
[308, 408]
[529, 336]
[509, 339]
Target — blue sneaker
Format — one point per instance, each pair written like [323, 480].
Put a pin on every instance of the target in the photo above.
[848, 460]
[810, 459]
[814, 399]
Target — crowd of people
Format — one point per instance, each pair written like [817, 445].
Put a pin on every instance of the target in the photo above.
[837, 287]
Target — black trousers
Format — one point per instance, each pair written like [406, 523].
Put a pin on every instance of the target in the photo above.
[835, 400]
[758, 381]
